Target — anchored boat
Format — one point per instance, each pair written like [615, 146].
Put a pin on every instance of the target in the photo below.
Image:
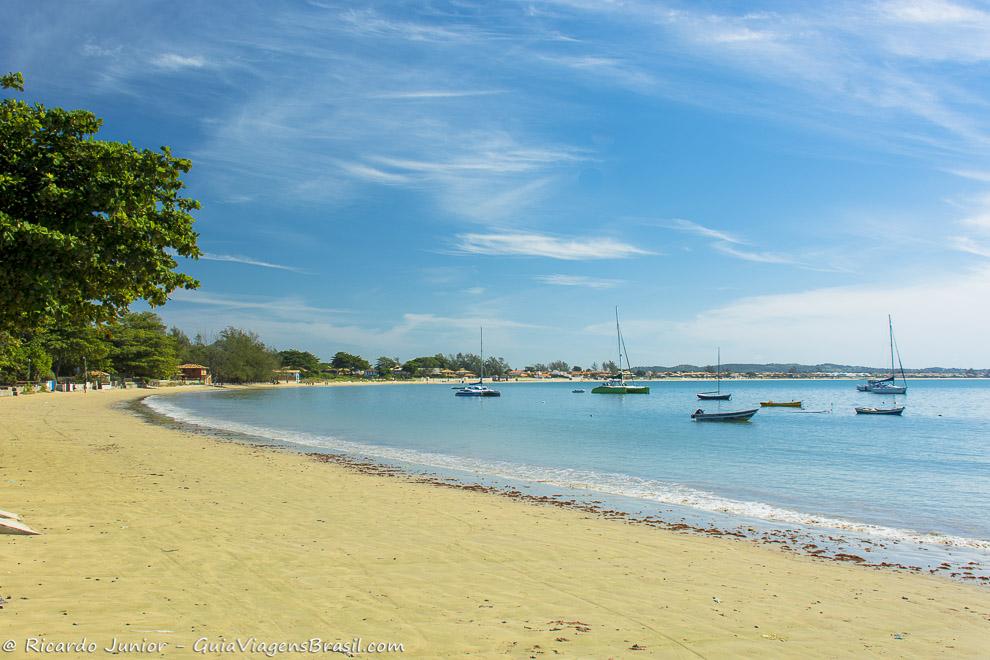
[886, 385]
[479, 388]
[717, 394]
[781, 404]
[870, 410]
[700, 415]
[619, 385]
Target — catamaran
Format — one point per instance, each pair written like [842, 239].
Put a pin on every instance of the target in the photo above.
[619, 385]
[479, 388]
[886, 385]
[717, 394]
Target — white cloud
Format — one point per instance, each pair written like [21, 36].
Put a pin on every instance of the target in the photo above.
[174, 61]
[700, 230]
[419, 94]
[749, 255]
[543, 245]
[938, 322]
[579, 280]
[233, 258]
[967, 244]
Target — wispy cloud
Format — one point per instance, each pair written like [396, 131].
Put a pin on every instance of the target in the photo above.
[233, 258]
[174, 61]
[420, 94]
[579, 280]
[700, 230]
[750, 255]
[286, 305]
[544, 245]
[969, 245]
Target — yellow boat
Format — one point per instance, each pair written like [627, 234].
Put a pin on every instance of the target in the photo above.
[781, 404]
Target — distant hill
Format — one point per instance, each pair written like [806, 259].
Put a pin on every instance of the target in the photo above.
[793, 367]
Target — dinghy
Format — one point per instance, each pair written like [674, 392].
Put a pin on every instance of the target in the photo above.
[700, 415]
[870, 410]
[781, 404]
[9, 515]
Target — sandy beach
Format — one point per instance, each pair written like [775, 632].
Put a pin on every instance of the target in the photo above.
[157, 534]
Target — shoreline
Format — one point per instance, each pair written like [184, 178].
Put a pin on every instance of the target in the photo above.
[229, 538]
[867, 544]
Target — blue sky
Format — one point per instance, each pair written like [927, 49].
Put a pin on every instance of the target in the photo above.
[383, 178]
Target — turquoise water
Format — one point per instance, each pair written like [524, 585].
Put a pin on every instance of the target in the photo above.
[920, 481]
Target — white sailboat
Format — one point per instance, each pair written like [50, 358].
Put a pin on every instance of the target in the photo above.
[479, 388]
[886, 385]
[619, 385]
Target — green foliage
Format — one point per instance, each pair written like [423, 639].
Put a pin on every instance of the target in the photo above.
[74, 346]
[86, 226]
[558, 365]
[23, 359]
[303, 360]
[240, 357]
[12, 81]
[418, 365]
[344, 360]
[140, 347]
[385, 364]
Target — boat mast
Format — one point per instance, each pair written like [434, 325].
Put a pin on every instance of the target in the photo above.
[718, 370]
[618, 340]
[482, 380]
[890, 325]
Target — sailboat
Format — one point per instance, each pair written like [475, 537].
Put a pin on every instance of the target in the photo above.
[479, 388]
[619, 385]
[717, 394]
[886, 385]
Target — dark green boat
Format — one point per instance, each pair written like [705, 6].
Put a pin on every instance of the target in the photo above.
[619, 385]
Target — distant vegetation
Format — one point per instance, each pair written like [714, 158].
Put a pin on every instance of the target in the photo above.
[795, 368]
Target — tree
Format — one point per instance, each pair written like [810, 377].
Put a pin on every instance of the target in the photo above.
[87, 226]
[342, 360]
[426, 363]
[384, 365]
[496, 366]
[73, 347]
[240, 357]
[23, 360]
[141, 348]
[558, 365]
[610, 367]
[303, 360]
[576, 369]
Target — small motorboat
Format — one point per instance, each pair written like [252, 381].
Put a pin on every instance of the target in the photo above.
[781, 404]
[577, 391]
[871, 410]
[700, 415]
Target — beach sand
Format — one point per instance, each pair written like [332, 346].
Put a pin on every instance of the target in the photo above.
[159, 534]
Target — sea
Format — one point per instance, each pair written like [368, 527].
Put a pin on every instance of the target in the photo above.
[911, 491]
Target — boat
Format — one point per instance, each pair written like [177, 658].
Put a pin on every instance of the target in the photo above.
[781, 404]
[717, 394]
[887, 385]
[871, 410]
[619, 385]
[479, 388]
[11, 526]
[700, 415]
[577, 391]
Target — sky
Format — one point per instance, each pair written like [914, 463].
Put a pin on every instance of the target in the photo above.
[385, 178]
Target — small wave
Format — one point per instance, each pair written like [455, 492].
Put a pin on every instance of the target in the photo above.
[608, 483]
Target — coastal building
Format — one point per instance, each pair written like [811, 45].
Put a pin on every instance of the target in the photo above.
[194, 373]
[288, 375]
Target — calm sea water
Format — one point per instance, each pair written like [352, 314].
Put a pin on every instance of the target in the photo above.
[921, 480]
